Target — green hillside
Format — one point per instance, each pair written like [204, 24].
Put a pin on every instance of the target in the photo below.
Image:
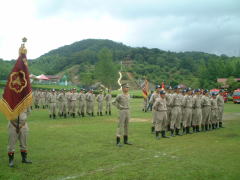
[78, 60]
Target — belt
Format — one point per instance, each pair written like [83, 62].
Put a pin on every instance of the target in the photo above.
[20, 126]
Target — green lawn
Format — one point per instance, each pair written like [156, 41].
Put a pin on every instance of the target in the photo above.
[85, 148]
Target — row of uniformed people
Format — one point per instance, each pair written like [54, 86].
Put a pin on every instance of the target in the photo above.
[71, 102]
[176, 110]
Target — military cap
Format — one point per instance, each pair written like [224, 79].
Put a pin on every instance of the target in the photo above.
[158, 86]
[162, 92]
[197, 90]
[184, 91]
[177, 87]
[125, 85]
[214, 94]
[205, 91]
[53, 90]
[188, 89]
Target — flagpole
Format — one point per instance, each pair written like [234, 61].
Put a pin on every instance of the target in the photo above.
[17, 129]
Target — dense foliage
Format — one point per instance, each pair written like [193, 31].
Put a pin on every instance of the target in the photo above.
[195, 69]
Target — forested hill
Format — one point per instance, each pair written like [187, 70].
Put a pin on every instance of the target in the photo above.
[78, 61]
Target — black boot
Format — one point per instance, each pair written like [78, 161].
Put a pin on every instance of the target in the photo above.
[54, 116]
[164, 134]
[184, 130]
[83, 114]
[209, 127]
[220, 125]
[194, 129]
[100, 113]
[152, 129]
[126, 140]
[202, 128]
[177, 132]
[24, 158]
[50, 116]
[65, 115]
[172, 132]
[206, 127]
[11, 159]
[106, 112]
[168, 127]
[188, 130]
[109, 113]
[118, 142]
[157, 135]
[197, 128]
[92, 115]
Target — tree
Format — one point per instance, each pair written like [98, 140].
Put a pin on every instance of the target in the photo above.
[105, 70]
[232, 84]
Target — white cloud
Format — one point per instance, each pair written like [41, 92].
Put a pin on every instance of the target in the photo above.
[203, 25]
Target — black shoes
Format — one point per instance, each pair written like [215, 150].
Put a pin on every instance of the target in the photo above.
[172, 132]
[157, 135]
[164, 134]
[152, 129]
[24, 158]
[126, 140]
[118, 142]
[177, 133]
[11, 159]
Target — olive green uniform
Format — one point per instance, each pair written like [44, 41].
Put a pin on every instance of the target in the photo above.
[52, 98]
[176, 113]
[13, 136]
[90, 98]
[206, 111]
[122, 104]
[100, 99]
[197, 111]
[187, 110]
[108, 99]
[73, 103]
[81, 101]
[214, 111]
[169, 108]
[62, 98]
[220, 103]
[152, 100]
[160, 107]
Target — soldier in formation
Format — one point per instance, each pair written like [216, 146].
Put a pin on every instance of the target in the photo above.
[197, 109]
[18, 131]
[121, 102]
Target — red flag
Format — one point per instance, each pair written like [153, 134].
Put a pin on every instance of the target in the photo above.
[145, 89]
[17, 94]
[163, 86]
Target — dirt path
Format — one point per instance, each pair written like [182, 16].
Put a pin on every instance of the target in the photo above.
[231, 116]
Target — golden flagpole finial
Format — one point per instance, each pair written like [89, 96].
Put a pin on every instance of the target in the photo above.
[24, 39]
[22, 49]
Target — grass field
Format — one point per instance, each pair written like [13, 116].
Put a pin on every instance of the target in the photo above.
[64, 149]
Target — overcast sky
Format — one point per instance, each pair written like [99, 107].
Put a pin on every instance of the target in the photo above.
[211, 26]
